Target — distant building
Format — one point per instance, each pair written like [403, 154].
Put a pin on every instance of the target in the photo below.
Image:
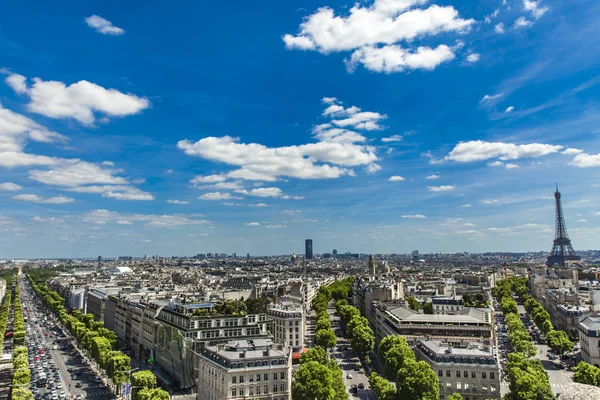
[245, 369]
[334, 252]
[471, 370]
[589, 338]
[308, 249]
[288, 328]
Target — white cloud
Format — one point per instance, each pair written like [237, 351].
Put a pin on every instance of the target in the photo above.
[252, 224]
[177, 202]
[499, 28]
[209, 179]
[79, 100]
[393, 138]
[102, 217]
[291, 212]
[76, 173]
[473, 57]
[511, 166]
[478, 150]
[534, 8]
[490, 97]
[117, 192]
[33, 198]
[258, 205]
[414, 216]
[389, 59]
[276, 226]
[366, 120]
[465, 205]
[384, 22]
[494, 201]
[217, 196]
[103, 26]
[432, 177]
[496, 164]
[396, 178]
[509, 109]
[286, 197]
[469, 225]
[582, 220]
[572, 151]
[522, 22]
[329, 100]
[37, 218]
[443, 188]
[17, 82]
[10, 187]
[584, 160]
[372, 168]
[262, 192]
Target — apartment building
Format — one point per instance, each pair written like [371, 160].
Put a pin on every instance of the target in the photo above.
[245, 369]
[471, 370]
[469, 324]
[288, 328]
[589, 338]
[447, 304]
[96, 299]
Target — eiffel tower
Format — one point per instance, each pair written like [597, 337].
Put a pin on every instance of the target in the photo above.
[562, 249]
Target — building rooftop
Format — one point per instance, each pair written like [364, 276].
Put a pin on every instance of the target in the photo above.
[466, 315]
[439, 351]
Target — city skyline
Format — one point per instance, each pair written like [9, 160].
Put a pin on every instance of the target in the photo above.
[203, 133]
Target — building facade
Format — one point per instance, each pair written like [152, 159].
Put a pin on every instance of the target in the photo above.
[245, 369]
[308, 249]
[471, 370]
[589, 338]
[288, 325]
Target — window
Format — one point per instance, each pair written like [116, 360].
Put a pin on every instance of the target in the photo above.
[274, 375]
[440, 372]
[233, 392]
[492, 388]
[241, 378]
[251, 391]
[274, 388]
[266, 378]
[257, 378]
[234, 379]
[458, 386]
[266, 389]
[448, 373]
[458, 374]
[282, 375]
[465, 374]
[282, 388]
[473, 375]
[474, 388]
[484, 387]
[483, 375]
[492, 375]
[449, 385]
[250, 378]
[258, 390]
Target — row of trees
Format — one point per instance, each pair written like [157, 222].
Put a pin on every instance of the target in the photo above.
[526, 376]
[99, 342]
[21, 374]
[338, 291]
[5, 310]
[318, 378]
[415, 380]
[358, 330]
[18, 321]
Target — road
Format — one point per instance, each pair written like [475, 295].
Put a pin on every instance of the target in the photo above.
[347, 360]
[71, 367]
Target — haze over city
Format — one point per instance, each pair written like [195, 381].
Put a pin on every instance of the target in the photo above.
[377, 127]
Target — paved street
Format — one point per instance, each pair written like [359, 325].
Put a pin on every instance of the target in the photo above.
[73, 376]
[348, 360]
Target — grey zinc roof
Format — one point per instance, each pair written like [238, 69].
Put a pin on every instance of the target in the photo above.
[591, 323]
[470, 315]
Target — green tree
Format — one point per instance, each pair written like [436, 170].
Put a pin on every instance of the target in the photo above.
[417, 381]
[21, 393]
[317, 354]
[323, 323]
[587, 374]
[546, 326]
[428, 308]
[394, 353]
[362, 340]
[559, 342]
[325, 338]
[141, 380]
[455, 396]
[313, 381]
[339, 304]
[382, 387]
[338, 381]
[413, 303]
[153, 394]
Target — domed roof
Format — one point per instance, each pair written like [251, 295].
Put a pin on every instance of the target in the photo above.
[578, 391]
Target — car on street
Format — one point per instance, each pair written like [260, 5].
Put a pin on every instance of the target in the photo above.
[348, 376]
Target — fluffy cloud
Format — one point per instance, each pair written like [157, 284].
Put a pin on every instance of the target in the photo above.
[443, 188]
[511, 166]
[276, 226]
[490, 97]
[572, 151]
[33, 198]
[217, 196]
[534, 8]
[584, 160]
[393, 138]
[252, 224]
[103, 26]
[384, 22]
[331, 157]
[396, 178]
[10, 187]
[177, 202]
[79, 100]
[432, 177]
[494, 201]
[522, 22]
[466, 205]
[473, 57]
[102, 217]
[372, 168]
[389, 59]
[262, 192]
[17, 82]
[499, 28]
[37, 218]
[509, 109]
[478, 150]
[414, 216]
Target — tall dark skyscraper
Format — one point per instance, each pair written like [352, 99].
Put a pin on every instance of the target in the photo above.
[308, 249]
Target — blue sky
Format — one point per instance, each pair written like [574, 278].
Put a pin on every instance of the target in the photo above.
[177, 128]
